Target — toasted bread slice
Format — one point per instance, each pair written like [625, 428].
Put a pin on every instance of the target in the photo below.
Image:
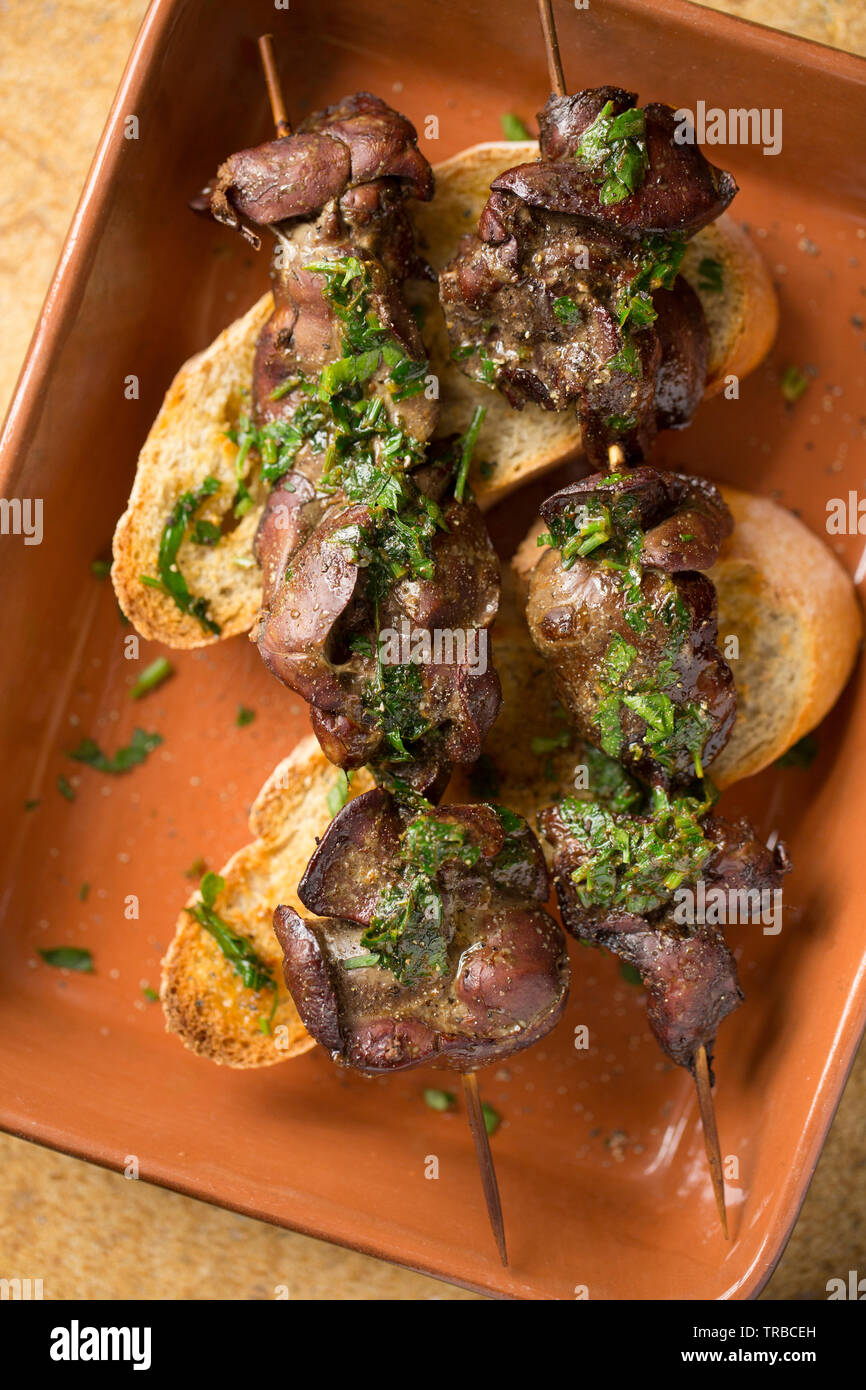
[205, 1001]
[188, 439]
[186, 444]
[793, 610]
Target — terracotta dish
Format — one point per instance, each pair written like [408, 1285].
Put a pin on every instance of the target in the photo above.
[600, 1158]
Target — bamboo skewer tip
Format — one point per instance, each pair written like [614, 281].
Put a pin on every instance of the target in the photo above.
[711, 1133]
[275, 93]
[551, 43]
[481, 1140]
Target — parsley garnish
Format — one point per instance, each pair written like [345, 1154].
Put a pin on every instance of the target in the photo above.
[636, 863]
[65, 789]
[69, 958]
[566, 310]
[152, 676]
[658, 264]
[407, 933]
[393, 698]
[439, 1100]
[140, 745]
[171, 582]
[513, 128]
[614, 147]
[339, 793]
[238, 950]
[800, 754]
[794, 383]
[710, 276]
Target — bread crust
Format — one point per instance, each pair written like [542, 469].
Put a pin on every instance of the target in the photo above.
[205, 1001]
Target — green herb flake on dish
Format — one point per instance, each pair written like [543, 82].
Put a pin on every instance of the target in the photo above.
[140, 746]
[439, 1100]
[513, 128]
[152, 676]
[69, 958]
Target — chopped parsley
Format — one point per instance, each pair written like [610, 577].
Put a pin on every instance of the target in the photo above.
[800, 754]
[152, 676]
[140, 745]
[711, 276]
[339, 793]
[171, 581]
[566, 310]
[244, 716]
[393, 699]
[610, 534]
[466, 450]
[578, 530]
[238, 950]
[614, 148]
[439, 1100]
[65, 789]
[69, 958]
[658, 265]
[626, 360]
[407, 933]
[492, 1118]
[671, 728]
[794, 383]
[513, 128]
[636, 863]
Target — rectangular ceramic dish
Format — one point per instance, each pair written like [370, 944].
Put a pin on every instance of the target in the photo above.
[600, 1156]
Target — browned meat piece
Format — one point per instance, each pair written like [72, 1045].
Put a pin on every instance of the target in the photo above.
[564, 119]
[685, 966]
[361, 533]
[681, 191]
[438, 711]
[358, 141]
[562, 297]
[432, 943]
[628, 626]
[681, 376]
[381, 142]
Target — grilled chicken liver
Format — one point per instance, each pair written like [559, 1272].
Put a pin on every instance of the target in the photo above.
[431, 943]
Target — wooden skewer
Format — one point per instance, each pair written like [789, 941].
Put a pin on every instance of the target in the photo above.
[711, 1133]
[616, 458]
[480, 1137]
[551, 43]
[275, 94]
[470, 1080]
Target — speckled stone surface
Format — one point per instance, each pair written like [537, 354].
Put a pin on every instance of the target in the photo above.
[88, 1233]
